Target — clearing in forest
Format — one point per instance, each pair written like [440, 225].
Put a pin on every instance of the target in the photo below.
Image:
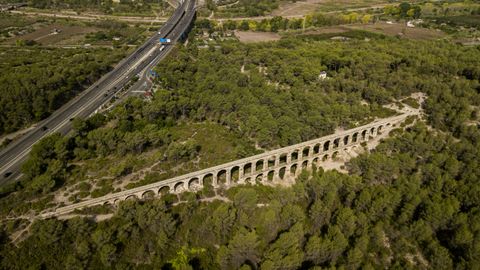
[252, 37]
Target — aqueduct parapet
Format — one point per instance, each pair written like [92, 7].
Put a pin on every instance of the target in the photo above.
[270, 167]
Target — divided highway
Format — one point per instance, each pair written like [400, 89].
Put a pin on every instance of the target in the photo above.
[139, 62]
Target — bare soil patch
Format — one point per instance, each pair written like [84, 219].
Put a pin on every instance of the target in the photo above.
[48, 36]
[252, 37]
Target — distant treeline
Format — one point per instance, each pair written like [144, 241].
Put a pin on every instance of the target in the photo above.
[278, 23]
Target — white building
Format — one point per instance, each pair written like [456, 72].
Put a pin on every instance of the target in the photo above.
[323, 75]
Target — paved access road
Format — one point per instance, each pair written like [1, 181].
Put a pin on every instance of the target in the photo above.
[85, 104]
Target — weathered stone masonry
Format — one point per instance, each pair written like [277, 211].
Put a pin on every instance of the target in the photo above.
[270, 167]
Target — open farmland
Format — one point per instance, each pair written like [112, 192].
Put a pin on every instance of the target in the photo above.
[55, 33]
[252, 37]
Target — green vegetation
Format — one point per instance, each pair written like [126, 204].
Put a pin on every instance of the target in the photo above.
[412, 203]
[404, 10]
[118, 33]
[450, 8]
[105, 6]
[269, 93]
[460, 19]
[278, 23]
[405, 206]
[20, 29]
[36, 81]
[13, 25]
[456, 21]
[411, 102]
[242, 7]
[39, 74]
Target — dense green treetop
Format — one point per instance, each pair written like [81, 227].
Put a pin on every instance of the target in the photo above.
[422, 215]
[412, 203]
[36, 81]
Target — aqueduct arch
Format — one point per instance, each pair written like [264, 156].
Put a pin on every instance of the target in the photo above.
[277, 165]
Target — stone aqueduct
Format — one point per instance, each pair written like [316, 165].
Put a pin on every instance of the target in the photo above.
[268, 168]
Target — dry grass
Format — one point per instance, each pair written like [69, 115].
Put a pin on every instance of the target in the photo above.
[252, 37]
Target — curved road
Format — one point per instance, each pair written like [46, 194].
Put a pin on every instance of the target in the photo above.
[85, 104]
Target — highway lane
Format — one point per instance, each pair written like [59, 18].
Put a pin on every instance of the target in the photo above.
[92, 98]
[144, 83]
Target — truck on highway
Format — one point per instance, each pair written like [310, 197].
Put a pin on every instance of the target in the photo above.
[165, 40]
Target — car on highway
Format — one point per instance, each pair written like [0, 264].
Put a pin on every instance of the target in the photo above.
[86, 104]
[7, 174]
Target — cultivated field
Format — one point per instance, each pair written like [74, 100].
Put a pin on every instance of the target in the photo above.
[251, 37]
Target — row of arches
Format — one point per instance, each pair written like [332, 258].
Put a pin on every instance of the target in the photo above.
[317, 149]
[274, 168]
[195, 184]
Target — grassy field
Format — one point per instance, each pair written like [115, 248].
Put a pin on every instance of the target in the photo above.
[252, 37]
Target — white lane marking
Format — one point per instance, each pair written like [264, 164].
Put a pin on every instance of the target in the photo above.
[74, 114]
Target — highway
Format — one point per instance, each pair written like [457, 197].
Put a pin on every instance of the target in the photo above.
[144, 83]
[88, 102]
